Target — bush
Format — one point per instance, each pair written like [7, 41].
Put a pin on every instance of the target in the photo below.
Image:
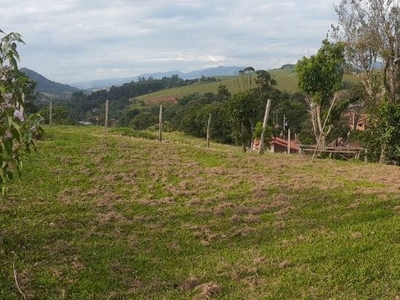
[17, 131]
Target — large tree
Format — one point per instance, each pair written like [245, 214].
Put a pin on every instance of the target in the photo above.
[319, 80]
[370, 30]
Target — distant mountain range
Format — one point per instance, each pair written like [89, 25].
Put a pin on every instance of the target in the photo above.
[46, 86]
[210, 72]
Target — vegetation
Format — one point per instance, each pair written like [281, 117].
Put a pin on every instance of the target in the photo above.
[123, 216]
[48, 87]
[120, 217]
[320, 77]
[370, 31]
[17, 132]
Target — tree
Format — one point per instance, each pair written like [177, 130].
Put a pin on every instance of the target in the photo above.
[370, 30]
[265, 81]
[245, 79]
[243, 111]
[223, 93]
[60, 115]
[17, 131]
[319, 79]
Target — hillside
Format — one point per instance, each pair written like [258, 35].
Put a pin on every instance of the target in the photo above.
[120, 217]
[47, 86]
[286, 81]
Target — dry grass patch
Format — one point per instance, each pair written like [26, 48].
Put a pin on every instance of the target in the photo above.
[134, 219]
[207, 290]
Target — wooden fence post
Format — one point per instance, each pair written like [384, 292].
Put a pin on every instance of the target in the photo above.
[106, 118]
[160, 124]
[208, 130]
[51, 113]
[267, 108]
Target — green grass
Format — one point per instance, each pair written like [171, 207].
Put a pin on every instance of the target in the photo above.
[123, 216]
[286, 81]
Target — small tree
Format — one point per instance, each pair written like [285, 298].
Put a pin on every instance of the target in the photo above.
[17, 132]
[319, 79]
[243, 111]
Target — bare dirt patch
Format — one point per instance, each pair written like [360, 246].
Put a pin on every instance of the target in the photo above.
[163, 99]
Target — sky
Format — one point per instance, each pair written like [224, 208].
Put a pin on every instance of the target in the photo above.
[70, 41]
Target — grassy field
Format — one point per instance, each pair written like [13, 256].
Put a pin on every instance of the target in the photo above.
[123, 217]
[286, 81]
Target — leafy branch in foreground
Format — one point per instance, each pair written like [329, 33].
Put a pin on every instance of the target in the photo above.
[17, 131]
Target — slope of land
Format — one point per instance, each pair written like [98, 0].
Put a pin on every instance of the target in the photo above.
[119, 217]
[286, 81]
[47, 86]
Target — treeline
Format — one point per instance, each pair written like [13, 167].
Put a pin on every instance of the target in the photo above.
[191, 112]
[235, 118]
[81, 106]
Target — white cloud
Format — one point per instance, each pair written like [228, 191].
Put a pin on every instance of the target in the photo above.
[77, 40]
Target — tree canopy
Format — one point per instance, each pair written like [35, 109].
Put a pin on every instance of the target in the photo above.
[319, 78]
[370, 31]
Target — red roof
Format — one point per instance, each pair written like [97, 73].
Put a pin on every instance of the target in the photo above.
[284, 143]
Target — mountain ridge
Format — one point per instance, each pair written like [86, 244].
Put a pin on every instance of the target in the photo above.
[48, 86]
[208, 72]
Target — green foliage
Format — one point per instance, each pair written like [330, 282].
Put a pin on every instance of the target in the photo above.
[243, 111]
[185, 100]
[264, 81]
[17, 131]
[143, 121]
[220, 128]
[60, 115]
[223, 93]
[258, 131]
[134, 133]
[190, 118]
[293, 107]
[320, 75]
[384, 129]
